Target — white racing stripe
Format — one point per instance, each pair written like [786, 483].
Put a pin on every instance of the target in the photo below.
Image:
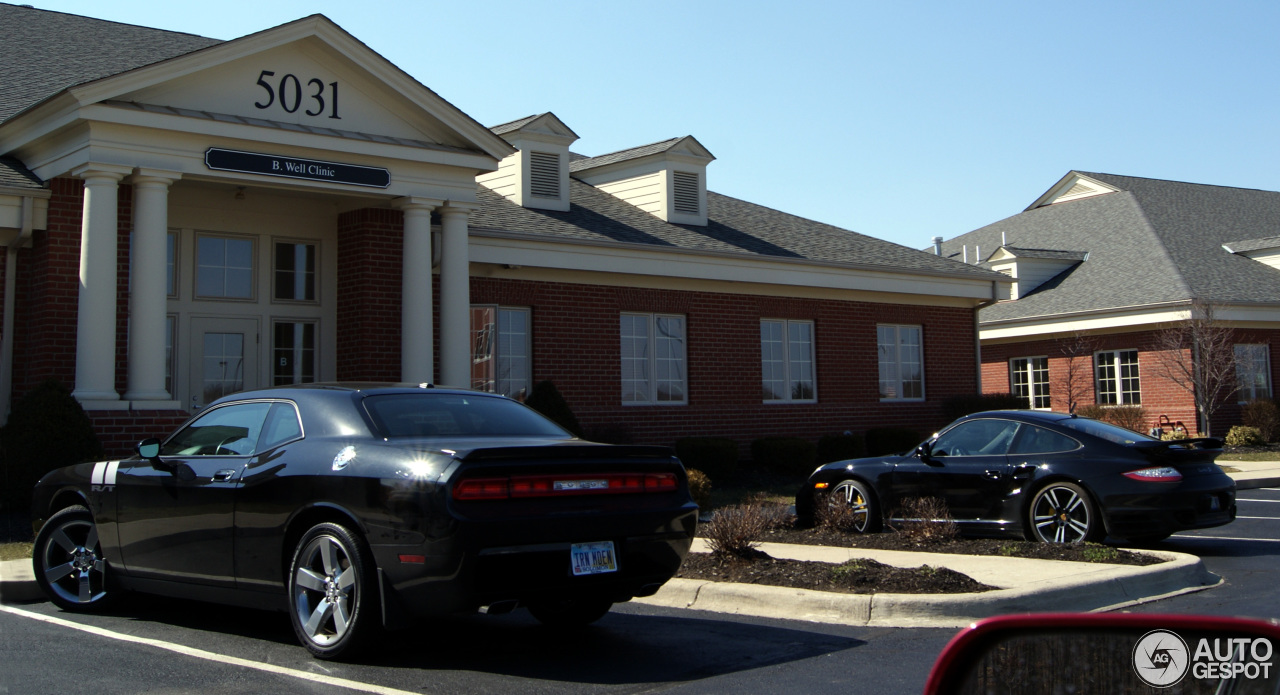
[210, 656]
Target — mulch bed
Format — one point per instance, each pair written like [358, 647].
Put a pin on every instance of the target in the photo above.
[855, 577]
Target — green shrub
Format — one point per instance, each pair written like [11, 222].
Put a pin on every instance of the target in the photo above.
[785, 455]
[959, 406]
[699, 487]
[838, 447]
[714, 456]
[1264, 415]
[891, 440]
[1174, 435]
[546, 399]
[1241, 435]
[46, 430]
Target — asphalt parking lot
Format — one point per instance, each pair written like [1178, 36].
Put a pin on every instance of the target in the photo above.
[1257, 519]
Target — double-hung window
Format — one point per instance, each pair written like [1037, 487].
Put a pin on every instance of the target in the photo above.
[1117, 377]
[1253, 372]
[500, 350]
[653, 359]
[786, 361]
[1029, 380]
[901, 355]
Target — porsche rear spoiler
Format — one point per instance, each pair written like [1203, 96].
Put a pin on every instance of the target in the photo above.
[1182, 451]
[1200, 443]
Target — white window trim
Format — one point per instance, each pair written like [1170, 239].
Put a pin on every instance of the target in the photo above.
[1031, 384]
[653, 358]
[1266, 370]
[786, 359]
[253, 268]
[496, 340]
[174, 275]
[898, 358]
[1115, 361]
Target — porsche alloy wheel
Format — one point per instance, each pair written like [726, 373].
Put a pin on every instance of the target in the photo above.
[853, 506]
[1064, 513]
[68, 561]
[331, 585]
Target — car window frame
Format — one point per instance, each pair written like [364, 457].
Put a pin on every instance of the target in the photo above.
[933, 444]
[210, 410]
[1030, 426]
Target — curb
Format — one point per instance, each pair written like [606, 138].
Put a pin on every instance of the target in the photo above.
[1255, 483]
[1118, 586]
[18, 582]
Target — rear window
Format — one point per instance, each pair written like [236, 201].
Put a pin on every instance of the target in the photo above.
[456, 415]
[1102, 430]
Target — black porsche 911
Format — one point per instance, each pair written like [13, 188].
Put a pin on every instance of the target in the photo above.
[357, 507]
[1040, 475]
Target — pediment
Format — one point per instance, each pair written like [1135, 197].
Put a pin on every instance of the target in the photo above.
[690, 147]
[310, 73]
[1073, 186]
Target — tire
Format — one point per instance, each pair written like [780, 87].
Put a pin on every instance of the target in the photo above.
[333, 595]
[858, 497]
[68, 563]
[1063, 512]
[569, 614]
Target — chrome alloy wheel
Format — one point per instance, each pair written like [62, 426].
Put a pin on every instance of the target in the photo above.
[1062, 513]
[854, 495]
[68, 560]
[325, 586]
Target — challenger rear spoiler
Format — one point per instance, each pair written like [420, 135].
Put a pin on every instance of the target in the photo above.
[569, 451]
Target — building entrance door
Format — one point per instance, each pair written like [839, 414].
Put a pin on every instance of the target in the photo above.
[224, 358]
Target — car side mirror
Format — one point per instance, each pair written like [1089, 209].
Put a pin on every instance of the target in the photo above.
[149, 449]
[925, 452]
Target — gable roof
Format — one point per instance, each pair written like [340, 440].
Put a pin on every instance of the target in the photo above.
[1150, 242]
[733, 226]
[1049, 254]
[46, 52]
[631, 153]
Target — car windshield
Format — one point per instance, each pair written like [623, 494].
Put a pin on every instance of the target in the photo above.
[1103, 430]
[456, 415]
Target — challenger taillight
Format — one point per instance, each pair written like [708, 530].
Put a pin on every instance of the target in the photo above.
[1160, 474]
[521, 486]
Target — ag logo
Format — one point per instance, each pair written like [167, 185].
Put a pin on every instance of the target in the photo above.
[1160, 658]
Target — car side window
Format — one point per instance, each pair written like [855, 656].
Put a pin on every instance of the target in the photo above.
[231, 430]
[282, 426]
[1038, 440]
[985, 437]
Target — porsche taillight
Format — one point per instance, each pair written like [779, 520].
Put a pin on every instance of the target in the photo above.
[522, 486]
[1159, 474]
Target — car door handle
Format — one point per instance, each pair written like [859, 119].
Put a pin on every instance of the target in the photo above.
[224, 475]
[994, 474]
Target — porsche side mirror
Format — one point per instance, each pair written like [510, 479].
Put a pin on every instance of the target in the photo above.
[149, 449]
[1124, 653]
[925, 452]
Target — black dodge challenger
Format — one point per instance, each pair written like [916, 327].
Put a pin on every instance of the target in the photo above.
[1044, 476]
[356, 507]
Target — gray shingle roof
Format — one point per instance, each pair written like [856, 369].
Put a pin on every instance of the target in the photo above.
[14, 175]
[734, 226]
[35, 68]
[1151, 242]
[514, 125]
[1049, 254]
[1247, 245]
[623, 155]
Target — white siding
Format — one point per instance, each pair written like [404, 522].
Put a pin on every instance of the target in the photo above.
[506, 180]
[644, 192]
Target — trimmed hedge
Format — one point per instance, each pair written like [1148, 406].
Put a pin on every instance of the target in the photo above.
[46, 430]
[891, 440]
[546, 399]
[1241, 435]
[785, 455]
[959, 406]
[715, 456]
[699, 487]
[839, 447]
[1130, 417]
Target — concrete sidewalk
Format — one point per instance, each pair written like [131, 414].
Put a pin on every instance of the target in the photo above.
[1254, 474]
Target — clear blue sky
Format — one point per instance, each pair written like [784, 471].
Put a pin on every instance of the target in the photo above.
[901, 120]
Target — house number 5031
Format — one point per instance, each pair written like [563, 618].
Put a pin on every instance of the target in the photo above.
[289, 93]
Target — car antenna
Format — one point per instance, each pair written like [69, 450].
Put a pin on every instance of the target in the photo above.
[1072, 410]
[426, 385]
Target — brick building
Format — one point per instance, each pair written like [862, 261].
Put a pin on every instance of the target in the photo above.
[186, 217]
[1102, 266]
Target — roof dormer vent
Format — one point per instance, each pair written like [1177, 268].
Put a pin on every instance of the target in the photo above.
[537, 176]
[667, 179]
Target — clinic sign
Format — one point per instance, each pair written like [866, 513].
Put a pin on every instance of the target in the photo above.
[296, 168]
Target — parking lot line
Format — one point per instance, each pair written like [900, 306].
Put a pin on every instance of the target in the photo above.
[1246, 499]
[210, 656]
[1225, 538]
[1263, 518]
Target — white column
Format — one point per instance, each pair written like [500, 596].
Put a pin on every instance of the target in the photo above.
[455, 297]
[148, 296]
[96, 320]
[416, 353]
